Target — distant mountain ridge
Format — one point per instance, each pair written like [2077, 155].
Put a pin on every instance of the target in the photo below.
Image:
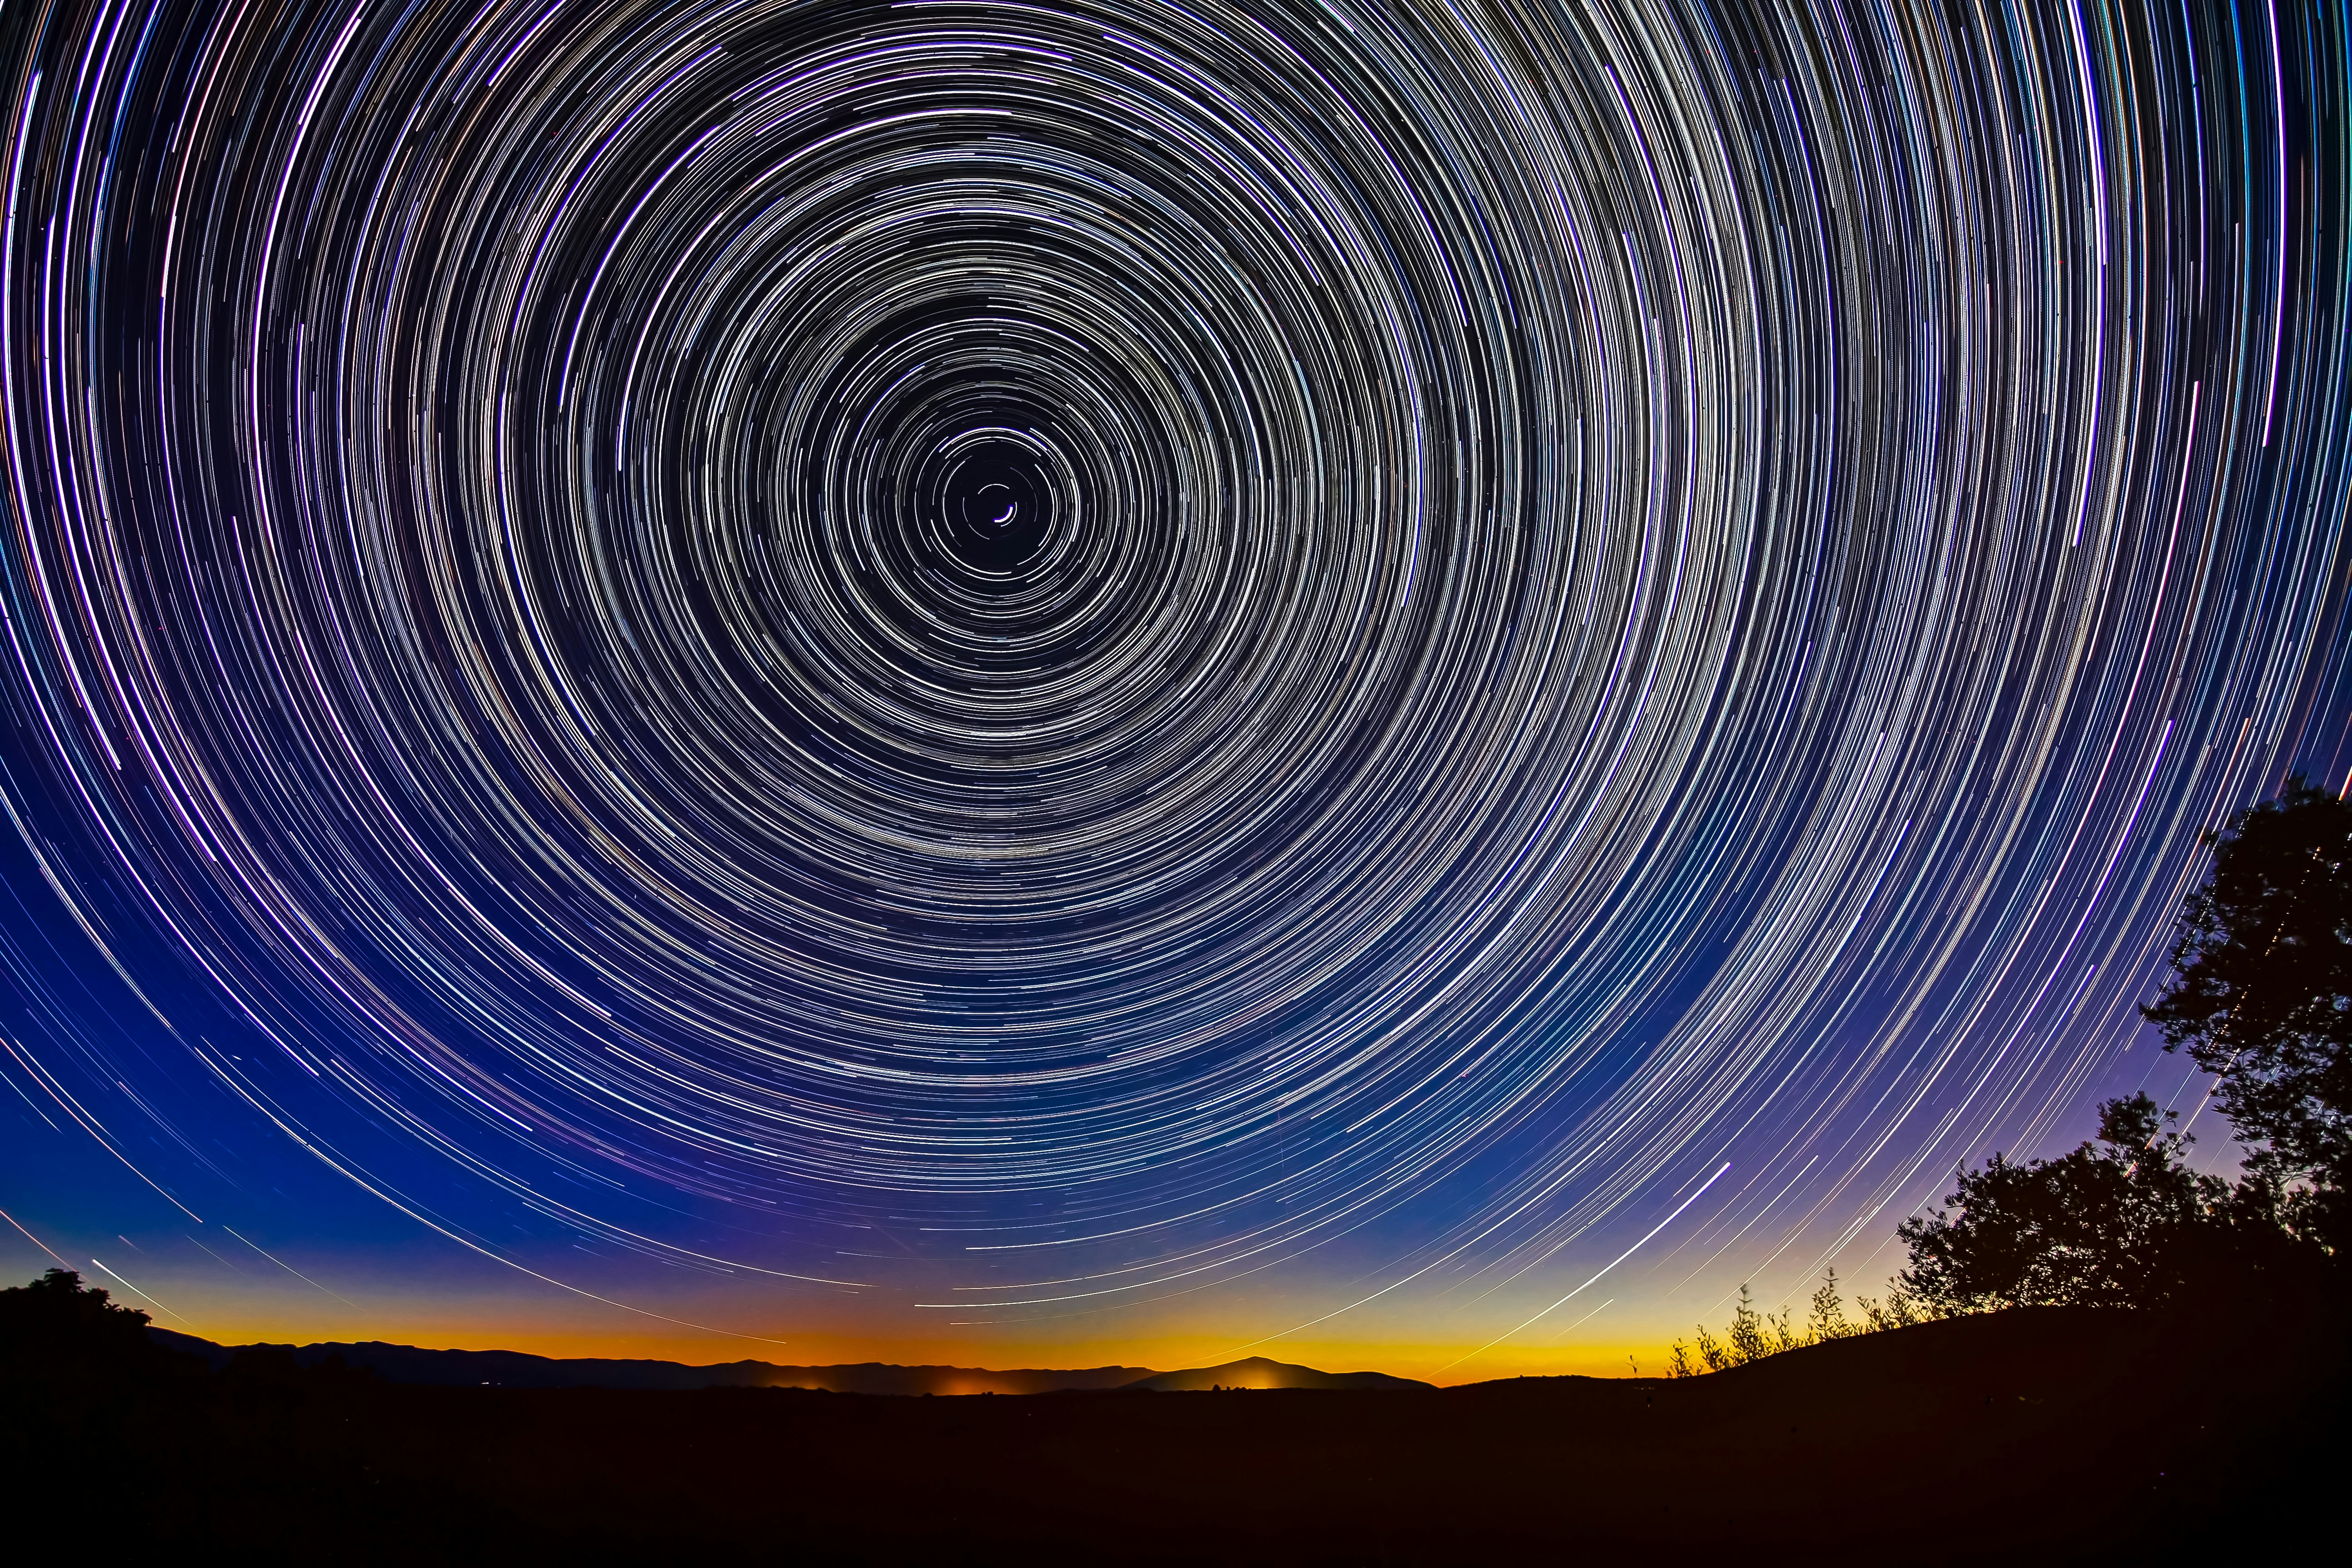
[517, 1369]
[1257, 1371]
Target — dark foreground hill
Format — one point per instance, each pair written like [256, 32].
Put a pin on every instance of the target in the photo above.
[2031, 1437]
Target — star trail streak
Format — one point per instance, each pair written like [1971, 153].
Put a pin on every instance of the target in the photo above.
[1116, 650]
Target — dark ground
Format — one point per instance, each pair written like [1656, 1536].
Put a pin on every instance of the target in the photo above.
[2040, 1435]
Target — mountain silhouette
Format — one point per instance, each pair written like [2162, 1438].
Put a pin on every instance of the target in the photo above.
[516, 1369]
[1257, 1371]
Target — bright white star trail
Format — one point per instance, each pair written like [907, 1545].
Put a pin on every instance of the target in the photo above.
[1052, 660]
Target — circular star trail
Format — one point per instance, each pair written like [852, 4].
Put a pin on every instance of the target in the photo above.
[1180, 625]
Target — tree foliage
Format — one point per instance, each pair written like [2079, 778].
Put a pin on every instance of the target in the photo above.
[2121, 1221]
[76, 1371]
[2261, 996]
[57, 1321]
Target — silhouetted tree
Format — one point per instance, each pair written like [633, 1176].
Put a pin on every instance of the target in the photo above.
[2261, 996]
[58, 1326]
[78, 1377]
[2119, 1222]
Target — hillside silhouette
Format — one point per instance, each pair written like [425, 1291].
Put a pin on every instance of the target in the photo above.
[2036, 1434]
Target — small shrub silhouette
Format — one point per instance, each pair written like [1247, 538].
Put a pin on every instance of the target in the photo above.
[1754, 1336]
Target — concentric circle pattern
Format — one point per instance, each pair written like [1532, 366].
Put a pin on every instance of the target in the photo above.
[1196, 621]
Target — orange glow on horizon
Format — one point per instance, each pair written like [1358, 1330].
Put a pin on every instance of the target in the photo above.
[1163, 1353]
[805, 1330]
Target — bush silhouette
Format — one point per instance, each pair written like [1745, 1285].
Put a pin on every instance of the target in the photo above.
[58, 1328]
[1754, 1336]
[80, 1382]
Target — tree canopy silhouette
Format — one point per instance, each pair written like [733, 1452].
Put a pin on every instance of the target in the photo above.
[2261, 996]
[2119, 1222]
[57, 1323]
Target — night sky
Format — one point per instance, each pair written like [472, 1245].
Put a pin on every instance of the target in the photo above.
[1406, 686]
